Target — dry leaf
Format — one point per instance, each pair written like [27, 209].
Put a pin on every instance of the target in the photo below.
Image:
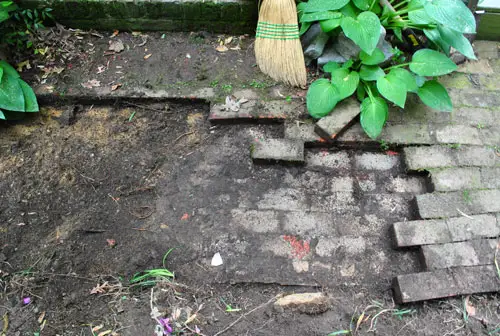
[111, 242]
[228, 40]
[148, 56]
[134, 33]
[97, 328]
[107, 332]
[100, 289]
[115, 33]
[185, 216]
[101, 69]
[21, 65]
[115, 87]
[116, 46]
[360, 320]
[41, 318]
[471, 310]
[91, 84]
[236, 48]
[221, 48]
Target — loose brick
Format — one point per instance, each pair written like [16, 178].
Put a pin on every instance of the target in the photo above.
[421, 232]
[476, 156]
[417, 158]
[452, 179]
[219, 112]
[490, 136]
[304, 132]
[278, 109]
[282, 150]
[490, 178]
[439, 205]
[473, 116]
[456, 229]
[469, 253]
[479, 226]
[309, 303]
[412, 185]
[375, 161]
[476, 67]
[414, 134]
[445, 283]
[342, 116]
[252, 110]
[460, 134]
[329, 160]
[486, 49]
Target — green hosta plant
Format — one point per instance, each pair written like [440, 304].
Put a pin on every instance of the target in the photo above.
[15, 94]
[376, 81]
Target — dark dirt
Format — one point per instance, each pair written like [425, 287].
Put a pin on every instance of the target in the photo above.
[77, 176]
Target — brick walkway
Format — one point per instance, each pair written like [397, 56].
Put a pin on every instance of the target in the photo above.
[456, 221]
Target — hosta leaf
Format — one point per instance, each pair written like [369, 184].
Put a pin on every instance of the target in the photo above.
[330, 66]
[434, 35]
[30, 102]
[322, 6]
[8, 69]
[393, 89]
[11, 94]
[318, 16]
[398, 33]
[345, 82]
[1, 74]
[406, 77]
[364, 30]
[371, 72]
[4, 16]
[362, 4]
[427, 62]
[349, 10]
[2, 116]
[433, 94]
[361, 92]
[457, 40]
[304, 27]
[416, 4]
[331, 24]
[453, 14]
[376, 57]
[321, 98]
[373, 116]
[420, 16]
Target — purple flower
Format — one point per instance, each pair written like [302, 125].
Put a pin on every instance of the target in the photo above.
[26, 300]
[165, 323]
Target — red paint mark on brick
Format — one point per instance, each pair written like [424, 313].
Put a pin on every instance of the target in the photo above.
[185, 216]
[300, 248]
[391, 153]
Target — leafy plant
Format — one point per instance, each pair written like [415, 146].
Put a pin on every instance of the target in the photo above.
[376, 79]
[15, 94]
[153, 276]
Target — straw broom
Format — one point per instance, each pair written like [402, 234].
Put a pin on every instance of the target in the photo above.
[277, 46]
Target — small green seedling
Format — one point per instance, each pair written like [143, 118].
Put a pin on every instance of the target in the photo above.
[152, 277]
[131, 117]
[229, 308]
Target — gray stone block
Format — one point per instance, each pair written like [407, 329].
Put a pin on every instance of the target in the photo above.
[316, 47]
[310, 35]
[281, 150]
[330, 54]
[330, 160]
[304, 132]
[452, 179]
[486, 49]
[490, 178]
[445, 283]
[476, 156]
[338, 120]
[456, 229]
[417, 158]
[414, 134]
[452, 204]
[459, 134]
[473, 116]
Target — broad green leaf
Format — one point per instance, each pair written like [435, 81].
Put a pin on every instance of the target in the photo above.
[433, 94]
[434, 36]
[364, 30]
[300, 7]
[304, 27]
[416, 4]
[361, 92]
[371, 72]
[345, 82]
[420, 16]
[1, 74]
[406, 77]
[376, 57]
[453, 14]
[2, 116]
[374, 113]
[318, 16]
[321, 98]
[8, 69]
[362, 4]
[330, 66]
[349, 10]
[427, 62]
[457, 40]
[329, 25]
[348, 64]
[4, 16]
[393, 89]
[322, 6]
[30, 102]
[11, 94]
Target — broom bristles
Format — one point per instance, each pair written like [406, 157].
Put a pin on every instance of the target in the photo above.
[277, 47]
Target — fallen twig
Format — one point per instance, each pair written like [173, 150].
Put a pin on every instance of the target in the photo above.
[182, 135]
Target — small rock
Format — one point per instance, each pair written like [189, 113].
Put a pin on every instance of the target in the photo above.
[310, 35]
[3, 257]
[330, 54]
[315, 49]
[307, 303]
[217, 260]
